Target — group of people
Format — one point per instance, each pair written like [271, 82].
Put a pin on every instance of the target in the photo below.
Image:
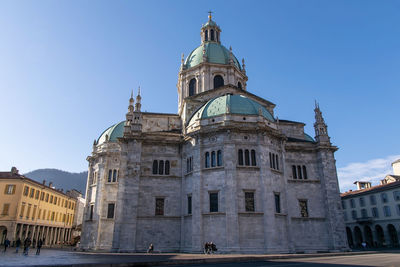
[210, 248]
[27, 243]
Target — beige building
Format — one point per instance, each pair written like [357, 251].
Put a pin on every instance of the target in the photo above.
[372, 213]
[37, 210]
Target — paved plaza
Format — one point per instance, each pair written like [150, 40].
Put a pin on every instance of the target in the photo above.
[52, 257]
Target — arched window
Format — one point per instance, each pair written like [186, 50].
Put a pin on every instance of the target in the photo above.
[240, 85]
[206, 35]
[207, 160]
[192, 87]
[155, 167]
[218, 81]
[213, 159]
[305, 172]
[247, 157]
[161, 167]
[299, 172]
[270, 160]
[219, 158]
[277, 162]
[167, 167]
[253, 157]
[212, 35]
[273, 161]
[114, 179]
[294, 173]
[109, 176]
[187, 166]
[240, 157]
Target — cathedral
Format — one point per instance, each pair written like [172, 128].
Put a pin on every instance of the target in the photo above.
[223, 169]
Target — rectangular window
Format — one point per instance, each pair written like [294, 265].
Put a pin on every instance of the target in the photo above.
[345, 216]
[354, 214]
[375, 213]
[42, 196]
[364, 213]
[396, 195]
[213, 202]
[110, 210]
[91, 212]
[32, 193]
[303, 208]
[384, 197]
[372, 199]
[51, 199]
[47, 197]
[277, 203]
[189, 204]
[44, 215]
[21, 212]
[249, 201]
[398, 209]
[28, 211]
[37, 194]
[362, 202]
[55, 200]
[39, 213]
[34, 212]
[343, 204]
[386, 211]
[26, 190]
[6, 208]
[159, 206]
[352, 203]
[10, 189]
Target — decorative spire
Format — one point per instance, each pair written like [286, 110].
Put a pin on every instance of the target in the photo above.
[243, 65]
[230, 55]
[209, 15]
[320, 127]
[210, 32]
[131, 101]
[138, 99]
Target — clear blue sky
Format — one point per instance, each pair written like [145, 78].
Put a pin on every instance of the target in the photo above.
[67, 69]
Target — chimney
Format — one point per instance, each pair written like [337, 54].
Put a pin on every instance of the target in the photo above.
[50, 184]
[14, 170]
[44, 182]
[362, 185]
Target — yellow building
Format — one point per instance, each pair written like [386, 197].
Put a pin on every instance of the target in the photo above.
[29, 208]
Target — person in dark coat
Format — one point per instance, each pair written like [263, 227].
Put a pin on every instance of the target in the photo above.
[27, 244]
[150, 249]
[17, 245]
[6, 244]
[39, 246]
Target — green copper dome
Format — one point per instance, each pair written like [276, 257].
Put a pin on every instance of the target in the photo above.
[215, 52]
[230, 104]
[113, 132]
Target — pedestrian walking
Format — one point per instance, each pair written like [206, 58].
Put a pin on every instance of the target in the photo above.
[39, 246]
[150, 249]
[6, 244]
[27, 244]
[17, 245]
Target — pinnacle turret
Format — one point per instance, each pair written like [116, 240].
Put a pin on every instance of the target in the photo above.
[320, 127]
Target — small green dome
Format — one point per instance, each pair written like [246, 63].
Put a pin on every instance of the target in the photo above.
[230, 104]
[215, 52]
[113, 132]
[210, 23]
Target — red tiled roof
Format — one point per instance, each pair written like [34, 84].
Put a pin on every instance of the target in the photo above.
[372, 189]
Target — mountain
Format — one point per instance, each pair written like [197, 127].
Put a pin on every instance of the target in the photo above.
[60, 179]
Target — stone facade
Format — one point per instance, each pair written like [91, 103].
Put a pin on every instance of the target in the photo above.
[223, 170]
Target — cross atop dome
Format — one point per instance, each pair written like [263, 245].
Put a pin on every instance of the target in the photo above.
[210, 32]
